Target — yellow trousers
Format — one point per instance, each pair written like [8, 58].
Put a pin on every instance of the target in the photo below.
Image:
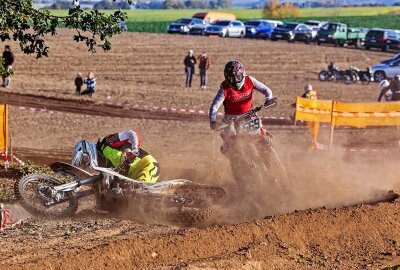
[314, 129]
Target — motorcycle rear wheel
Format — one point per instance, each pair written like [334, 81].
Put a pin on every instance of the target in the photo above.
[177, 209]
[30, 190]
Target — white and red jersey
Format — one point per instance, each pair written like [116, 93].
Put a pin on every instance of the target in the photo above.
[240, 101]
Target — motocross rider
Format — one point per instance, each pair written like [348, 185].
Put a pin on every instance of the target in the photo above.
[123, 150]
[386, 91]
[236, 94]
[390, 89]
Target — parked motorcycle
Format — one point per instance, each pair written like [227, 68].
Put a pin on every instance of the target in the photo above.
[178, 201]
[250, 151]
[364, 76]
[335, 74]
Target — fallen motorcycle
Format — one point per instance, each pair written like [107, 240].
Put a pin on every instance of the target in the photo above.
[178, 201]
[250, 150]
[364, 76]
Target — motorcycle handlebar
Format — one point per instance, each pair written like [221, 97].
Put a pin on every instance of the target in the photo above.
[268, 104]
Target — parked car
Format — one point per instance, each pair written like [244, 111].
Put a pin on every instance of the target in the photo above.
[385, 71]
[182, 26]
[340, 35]
[208, 18]
[292, 31]
[377, 38]
[394, 58]
[393, 40]
[315, 26]
[123, 25]
[260, 28]
[226, 28]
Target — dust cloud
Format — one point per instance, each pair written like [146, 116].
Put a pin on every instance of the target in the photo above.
[319, 178]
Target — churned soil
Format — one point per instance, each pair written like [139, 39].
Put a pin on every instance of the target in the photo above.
[332, 219]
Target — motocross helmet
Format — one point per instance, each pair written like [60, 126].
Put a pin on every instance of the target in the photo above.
[84, 154]
[234, 74]
[384, 84]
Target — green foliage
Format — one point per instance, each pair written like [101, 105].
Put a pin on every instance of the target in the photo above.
[274, 9]
[29, 168]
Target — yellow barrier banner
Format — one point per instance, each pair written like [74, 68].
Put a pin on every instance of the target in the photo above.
[313, 110]
[367, 114]
[4, 127]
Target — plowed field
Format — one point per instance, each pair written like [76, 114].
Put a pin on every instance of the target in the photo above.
[332, 220]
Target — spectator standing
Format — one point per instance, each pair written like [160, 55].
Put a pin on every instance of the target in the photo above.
[204, 64]
[8, 57]
[91, 84]
[313, 125]
[78, 83]
[189, 62]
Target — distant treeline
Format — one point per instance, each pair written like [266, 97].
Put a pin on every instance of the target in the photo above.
[167, 4]
[197, 4]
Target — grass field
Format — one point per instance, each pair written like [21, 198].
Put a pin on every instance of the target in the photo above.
[156, 21]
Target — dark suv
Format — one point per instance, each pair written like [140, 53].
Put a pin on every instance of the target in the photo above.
[394, 40]
[377, 38]
[292, 31]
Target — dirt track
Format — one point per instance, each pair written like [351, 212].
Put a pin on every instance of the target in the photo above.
[146, 69]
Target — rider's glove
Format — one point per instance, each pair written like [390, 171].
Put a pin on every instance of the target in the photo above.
[269, 101]
[213, 125]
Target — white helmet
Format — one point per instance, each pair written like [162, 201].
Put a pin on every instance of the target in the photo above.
[384, 84]
[85, 153]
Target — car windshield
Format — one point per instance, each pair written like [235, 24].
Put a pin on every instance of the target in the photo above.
[376, 34]
[252, 23]
[289, 26]
[222, 23]
[184, 21]
[329, 26]
[312, 23]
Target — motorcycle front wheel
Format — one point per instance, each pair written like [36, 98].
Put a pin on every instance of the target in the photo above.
[323, 75]
[34, 193]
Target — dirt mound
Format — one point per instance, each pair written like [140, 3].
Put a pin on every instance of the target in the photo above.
[323, 239]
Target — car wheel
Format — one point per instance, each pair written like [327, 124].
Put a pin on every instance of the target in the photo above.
[318, 43]
[308, 40]
[385, 48]
[241, 35]
[379, 76]
[367, 47]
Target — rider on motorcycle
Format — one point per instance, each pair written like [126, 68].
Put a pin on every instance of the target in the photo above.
[236, 92]
[122, 151]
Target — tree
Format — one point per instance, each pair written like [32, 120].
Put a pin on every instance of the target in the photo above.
[173, 4]
[224, 3]
[274, 9]
[28, 26]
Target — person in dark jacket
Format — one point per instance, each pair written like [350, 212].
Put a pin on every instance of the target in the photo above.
[204, 64]
[78, 83]
[8, 58]
[189, 62]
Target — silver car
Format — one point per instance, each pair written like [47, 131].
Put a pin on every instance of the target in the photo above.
[226, 28]
[385, 71]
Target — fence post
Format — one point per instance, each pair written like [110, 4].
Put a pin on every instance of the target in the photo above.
[332, 125]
